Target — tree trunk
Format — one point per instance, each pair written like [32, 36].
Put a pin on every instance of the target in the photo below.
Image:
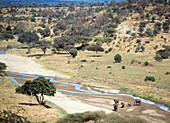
[37, 99]
[29, 48]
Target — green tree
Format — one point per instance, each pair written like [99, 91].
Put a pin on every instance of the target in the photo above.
[166, 26]
[2, 68]
[73, 52]
[45, 32]
[38, 88]
[95, 48]
[43, 45]
[28, 38]
[118, 58]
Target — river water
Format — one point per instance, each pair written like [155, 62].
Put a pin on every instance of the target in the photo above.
[78, 87]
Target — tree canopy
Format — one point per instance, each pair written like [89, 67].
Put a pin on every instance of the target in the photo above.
[38, 86]
[95, 48]
[73, 52]
[2, 68]
[118, 58]
[43, 45]
[28, 38]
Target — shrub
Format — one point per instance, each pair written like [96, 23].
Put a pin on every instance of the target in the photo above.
[118, 58]
[167, 73]
[134, 35]
[158, 58]
[123, 67]
[84, 60]
[99, 116]
[110, 49]
[9, 47]
[92, 61]
[73, 52]
[106, 51]
[109, 67]
[138, 41]
[149, 78]
[146, 63]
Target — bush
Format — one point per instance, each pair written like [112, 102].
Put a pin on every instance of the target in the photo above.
[106, 51]
[9, 47]
[123, 67]
[84, 60]
[73, 52]
[146, 63]
[149, 78]
[158, 58]
[167, 73]
[138, 41]
[109, 67]
[118, 58]
[99, 116]
[110, 49]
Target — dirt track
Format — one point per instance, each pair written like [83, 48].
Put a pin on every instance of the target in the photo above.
[83, 102]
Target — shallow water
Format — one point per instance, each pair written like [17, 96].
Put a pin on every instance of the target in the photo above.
[79, 90]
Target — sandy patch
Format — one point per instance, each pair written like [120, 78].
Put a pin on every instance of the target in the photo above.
[25, 65]
[72, 105]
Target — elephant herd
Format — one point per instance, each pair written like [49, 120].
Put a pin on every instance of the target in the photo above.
[137, 102]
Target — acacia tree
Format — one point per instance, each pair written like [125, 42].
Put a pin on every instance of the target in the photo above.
[39, 86]
[2, 68]
[28, 38]
[73, 52]
[43, 45]
[95, 48]
[118, 58]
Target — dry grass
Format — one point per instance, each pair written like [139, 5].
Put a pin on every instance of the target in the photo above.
[131, 78]
[34, 113]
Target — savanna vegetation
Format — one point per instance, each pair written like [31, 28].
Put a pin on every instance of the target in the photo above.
[124, 45]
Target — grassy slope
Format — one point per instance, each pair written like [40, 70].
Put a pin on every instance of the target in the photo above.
[34, 113]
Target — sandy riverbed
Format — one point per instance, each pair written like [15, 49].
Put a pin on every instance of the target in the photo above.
[73, 103]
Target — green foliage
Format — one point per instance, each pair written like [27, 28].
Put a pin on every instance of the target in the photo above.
[73, 52]
[84, 60]
[165, 53]
[33, 19]
[109, 67]
[149, 78]
[95, 48]
[138, 41]
[99, 116]
[149, 32]
[6, 35]
[167, 73]
[123, 67]
[166, 25]
[43, 45]
[9, 47]
[7, 116]
[158, 58]
[2, 68]
[146, 63]
[45, 32]
[134, 35]
[28, 38]
[38, 86]
[118, 58]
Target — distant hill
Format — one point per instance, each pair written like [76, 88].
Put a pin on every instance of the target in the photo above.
[16, 2]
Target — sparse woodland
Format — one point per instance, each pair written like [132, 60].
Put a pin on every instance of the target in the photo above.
[124, 45]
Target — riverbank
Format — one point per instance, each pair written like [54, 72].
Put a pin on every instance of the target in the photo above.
[101, 71]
